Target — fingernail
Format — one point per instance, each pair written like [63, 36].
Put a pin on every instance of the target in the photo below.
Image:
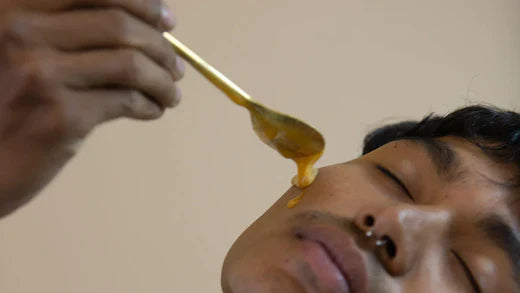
[167, 18]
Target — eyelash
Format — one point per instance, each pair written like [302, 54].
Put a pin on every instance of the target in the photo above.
[386, 172]
[467, 271]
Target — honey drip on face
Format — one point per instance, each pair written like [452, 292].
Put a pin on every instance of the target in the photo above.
[306, 175]
[295, 201]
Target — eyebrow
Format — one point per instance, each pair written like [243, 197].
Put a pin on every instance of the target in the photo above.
[503, 236]
[441, 154]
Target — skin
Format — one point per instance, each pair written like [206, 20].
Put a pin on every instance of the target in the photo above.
[270, 257]
[69, 66]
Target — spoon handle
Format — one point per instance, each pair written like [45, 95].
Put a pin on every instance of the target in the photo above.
[235, 93]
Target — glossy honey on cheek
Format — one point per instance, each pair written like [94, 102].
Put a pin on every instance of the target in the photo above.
[306, 175]
[295, 201]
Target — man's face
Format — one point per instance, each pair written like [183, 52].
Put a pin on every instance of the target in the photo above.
[412, 216]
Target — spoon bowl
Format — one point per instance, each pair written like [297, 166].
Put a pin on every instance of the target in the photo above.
[292, 138]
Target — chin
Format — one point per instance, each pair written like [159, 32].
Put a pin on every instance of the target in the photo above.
[259, 268]
[260, 280]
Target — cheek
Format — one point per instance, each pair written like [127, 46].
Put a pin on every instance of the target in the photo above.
[259, 243]
[260, 266]
[266, 246]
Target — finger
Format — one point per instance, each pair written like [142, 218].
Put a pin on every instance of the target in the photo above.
[102, 105]
[122, 68]
[154, 12]
[180, 68]
[108, 28]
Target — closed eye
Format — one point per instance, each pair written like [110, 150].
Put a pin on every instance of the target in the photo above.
[468, 273]
[395, 179]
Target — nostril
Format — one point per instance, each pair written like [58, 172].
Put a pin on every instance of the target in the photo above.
[370, 221]
[390, 247]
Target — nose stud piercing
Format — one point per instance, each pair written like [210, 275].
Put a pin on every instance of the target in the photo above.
[381, 242]
[369, 222]
[385, 242]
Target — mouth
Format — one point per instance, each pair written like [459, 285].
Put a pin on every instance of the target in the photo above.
[335, 247]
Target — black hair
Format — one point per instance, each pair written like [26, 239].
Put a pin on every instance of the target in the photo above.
[495, 131]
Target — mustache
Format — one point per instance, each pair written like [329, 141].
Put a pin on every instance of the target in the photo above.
[322, 217]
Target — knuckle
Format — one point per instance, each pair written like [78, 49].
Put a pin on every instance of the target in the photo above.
[169, 83]
[168, 55]
[153, 10]
[180, 69]
[55, 122]
[133, 101]
[15, 28]
[138, 106]
[132, 63]
[118, 21]
[37, 73]
[166, 89]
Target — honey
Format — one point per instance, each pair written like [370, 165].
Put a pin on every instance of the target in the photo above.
[305, 177]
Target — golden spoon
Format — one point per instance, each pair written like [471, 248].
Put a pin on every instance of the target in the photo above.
[292, 138]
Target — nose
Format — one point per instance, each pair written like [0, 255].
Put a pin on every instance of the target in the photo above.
[400, 234]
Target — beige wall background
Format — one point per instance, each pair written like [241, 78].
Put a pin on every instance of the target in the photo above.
[154, 207]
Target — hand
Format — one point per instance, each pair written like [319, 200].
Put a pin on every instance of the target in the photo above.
[66, 66]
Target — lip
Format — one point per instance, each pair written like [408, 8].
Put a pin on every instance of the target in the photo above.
[341, 249]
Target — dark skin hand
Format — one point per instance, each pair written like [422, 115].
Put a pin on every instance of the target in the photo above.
[68, 66]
